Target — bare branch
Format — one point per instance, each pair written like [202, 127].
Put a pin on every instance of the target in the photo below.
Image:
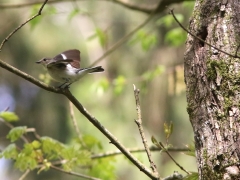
[139, 124]
[173, 159]
[24, 174]
[231, 55]
[19, 27]
[74, 173]
[33, 130]
[137, 150]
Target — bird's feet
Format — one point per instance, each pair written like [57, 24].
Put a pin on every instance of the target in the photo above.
[65, 85]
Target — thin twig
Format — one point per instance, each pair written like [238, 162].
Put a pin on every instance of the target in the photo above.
[136, 150]
[125, 38]
[75, 125]
[74, 173]
[24, 174]
[19, 27]
[173, 159]
[231, 55]
[141, 131]
[33, 130]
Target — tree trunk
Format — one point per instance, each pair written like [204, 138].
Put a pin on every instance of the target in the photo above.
[213, 93]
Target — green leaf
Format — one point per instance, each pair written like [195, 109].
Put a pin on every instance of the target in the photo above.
[16, 133]
[155, 142]
[10, 152]
[100, 86]
[36, 144]
[119, 83]
[101, 36]
[75, 156]
[9, 116]
[103, 168]
[24, 162]
[150, 75]
[73, 13]
[91, 142]
[36, 20]
[51, 147]
[176, 36]
[47, 10]
[192, 176]
[147, 40]
[168, 129]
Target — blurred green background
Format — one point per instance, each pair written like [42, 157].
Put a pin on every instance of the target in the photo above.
[152, 59]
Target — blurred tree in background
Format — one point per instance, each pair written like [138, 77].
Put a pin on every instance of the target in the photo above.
[152, 59]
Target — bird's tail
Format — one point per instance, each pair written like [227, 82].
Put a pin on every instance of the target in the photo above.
[96, 69]
[91, 70]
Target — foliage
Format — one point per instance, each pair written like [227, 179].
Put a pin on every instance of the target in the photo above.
[16, 133]
[147, 40]
[9, 116]
[101, 35]
[44, 152]
[174, 36]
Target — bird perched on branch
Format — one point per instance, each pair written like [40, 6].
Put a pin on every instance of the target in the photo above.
[65, 67]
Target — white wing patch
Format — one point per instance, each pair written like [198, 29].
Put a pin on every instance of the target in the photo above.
[64, 57]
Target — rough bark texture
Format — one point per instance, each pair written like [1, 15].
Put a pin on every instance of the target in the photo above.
[213, 88]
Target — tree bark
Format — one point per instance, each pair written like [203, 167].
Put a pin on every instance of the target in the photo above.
[213, 93]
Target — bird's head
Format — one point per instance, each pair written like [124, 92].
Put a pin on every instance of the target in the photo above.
[44, 61]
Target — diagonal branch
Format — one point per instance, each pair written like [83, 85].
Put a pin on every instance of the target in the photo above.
[139, 124]
[112, 139]
[19, 27]
[83, 176]
[161, 144]
[136, 150]
[185, 29]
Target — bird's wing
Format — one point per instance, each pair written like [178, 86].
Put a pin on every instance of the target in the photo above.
[63, 62]
[72, 54]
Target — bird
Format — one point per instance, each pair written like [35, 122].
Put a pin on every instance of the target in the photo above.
[65, 67]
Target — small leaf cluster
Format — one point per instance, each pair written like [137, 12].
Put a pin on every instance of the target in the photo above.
[147, 40]
[174, 36]
[43, 152]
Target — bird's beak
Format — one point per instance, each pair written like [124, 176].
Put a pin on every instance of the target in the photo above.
[38, 62]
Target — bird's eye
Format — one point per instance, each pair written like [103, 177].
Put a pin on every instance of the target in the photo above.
[44, 59]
